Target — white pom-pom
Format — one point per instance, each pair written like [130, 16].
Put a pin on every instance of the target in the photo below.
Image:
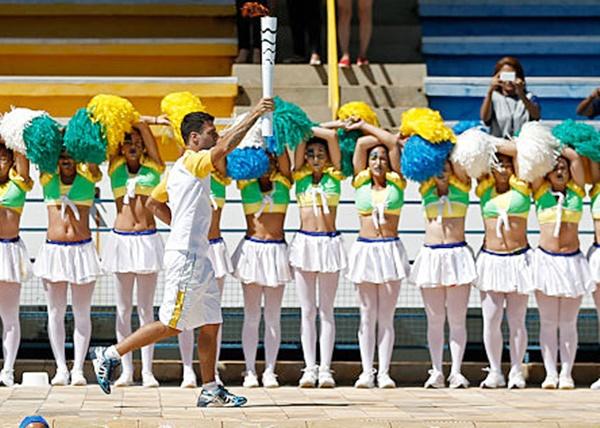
[536, 151]
[253, 137]
[475, 152]
[12, 125]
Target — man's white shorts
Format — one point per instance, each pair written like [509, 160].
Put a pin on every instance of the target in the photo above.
[191, 298]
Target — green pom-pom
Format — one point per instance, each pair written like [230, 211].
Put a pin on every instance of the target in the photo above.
[291, 125]
[43, 139]
[584, 138]
[347, 140]
[84, 139]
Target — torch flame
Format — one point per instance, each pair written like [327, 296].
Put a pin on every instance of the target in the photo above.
[253, 9]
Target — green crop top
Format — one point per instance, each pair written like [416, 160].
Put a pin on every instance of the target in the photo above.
[452, 205]
[81, 192]
[594, 192]
[378, 203]
[558, 208]
[324, 194]
[127, 185]
[12, 193]
[256, 202]
[218, 184]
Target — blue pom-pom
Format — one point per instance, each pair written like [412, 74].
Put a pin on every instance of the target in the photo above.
[463, 125]
[272, 145]
[422, 160]
[32, 420]
[247, 163]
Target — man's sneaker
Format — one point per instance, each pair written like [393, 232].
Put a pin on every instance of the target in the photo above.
[104, 367]
[7, 377]
[250, 380]
[220, 398]
[436, 379]
[326, 379]
[493, 380]
[309, 378]
[457, 380]
[516, 379]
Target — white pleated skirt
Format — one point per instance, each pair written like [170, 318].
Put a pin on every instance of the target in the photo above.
[561, 275]
[318, 252]
[378, 261]
[262, 262]
[73, 262]
[443, 265]
[136, 252]
[505, 272]
[15, 265]
[219, 257]
[594, 260]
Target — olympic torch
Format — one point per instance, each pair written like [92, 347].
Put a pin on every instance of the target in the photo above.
[268, 26]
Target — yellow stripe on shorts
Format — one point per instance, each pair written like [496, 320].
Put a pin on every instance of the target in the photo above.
[177, 310]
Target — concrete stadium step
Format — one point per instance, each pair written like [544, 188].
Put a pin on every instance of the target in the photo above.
[117, 56]
[389, 118]
[106, 18]
[62, 95]
[459, 98]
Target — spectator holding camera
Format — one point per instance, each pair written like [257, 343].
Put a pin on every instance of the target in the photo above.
[508, 105]
[590, 107]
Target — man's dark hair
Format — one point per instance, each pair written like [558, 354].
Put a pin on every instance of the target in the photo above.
[319, 141]
[194, 122]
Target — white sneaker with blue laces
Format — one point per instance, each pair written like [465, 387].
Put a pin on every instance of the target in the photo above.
[219, 397]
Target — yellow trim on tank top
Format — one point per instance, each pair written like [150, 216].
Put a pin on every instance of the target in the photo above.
[548, 216]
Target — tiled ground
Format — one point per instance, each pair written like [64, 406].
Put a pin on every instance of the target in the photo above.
[290, 407]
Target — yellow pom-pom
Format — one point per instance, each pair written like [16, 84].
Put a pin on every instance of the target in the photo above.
[426, 123]
[176, 105]
[116, 115]
[358, 109]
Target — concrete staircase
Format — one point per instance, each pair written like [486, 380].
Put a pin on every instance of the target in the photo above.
[390, 88]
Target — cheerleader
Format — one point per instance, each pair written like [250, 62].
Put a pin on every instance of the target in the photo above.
[379, 261]
[561, 274]
[261, 263]
[14, 261]
[317, 250]
[134, 250]
[594, 254]
[503, 266]
[68, 257]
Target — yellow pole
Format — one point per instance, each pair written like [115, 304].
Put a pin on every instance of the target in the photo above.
[332, 61]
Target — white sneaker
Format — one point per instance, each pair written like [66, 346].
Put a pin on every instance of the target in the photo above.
[126, 379]
[566, 382]
[269, 379]
[61, 378]
[7, 377]
[365, 380]
[493, 380]
[516, 379]
[149, 381]
[595, 385]
[457, 380]
[77, 378]
[436, 379]
[309, 377]
[326, 379]
[189, 379]
[250, 380]
[384, 381]
[551, 382]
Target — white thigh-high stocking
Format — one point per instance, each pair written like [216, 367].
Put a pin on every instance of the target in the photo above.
[434, 300]
[367, 297]
[306, 289]
[492, 308]
[387, 299]
[516, 311]
[548, 307]
[221, 285]
[186, 350]
[56, 293]
[457, 303]
[124, 291]
[567, 323]
[252, 301]
[81, 296]
[146, 286]
[272, 314]
[10, 293]
[328, 283]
